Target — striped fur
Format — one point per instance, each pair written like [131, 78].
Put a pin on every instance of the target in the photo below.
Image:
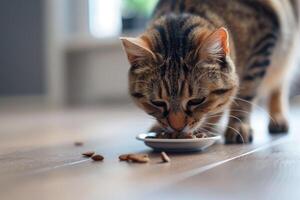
[197, 56]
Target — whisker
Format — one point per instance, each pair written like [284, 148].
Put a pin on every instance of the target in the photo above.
[214, 129]
[236, 131]
[205, 130]
[232, 116]
[212, 125]
[257, 106]
[234, 101]
[243, 111]
[212, 116]
[222, 115]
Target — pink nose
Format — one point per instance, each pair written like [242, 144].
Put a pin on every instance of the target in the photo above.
[177, 120]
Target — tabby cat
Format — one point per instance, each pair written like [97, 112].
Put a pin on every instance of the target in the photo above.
[199, 58]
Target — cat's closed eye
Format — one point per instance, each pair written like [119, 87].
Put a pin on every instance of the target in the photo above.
[221, 91]
[137, 95]
[159, 103]
[162, 105]
[192, 103]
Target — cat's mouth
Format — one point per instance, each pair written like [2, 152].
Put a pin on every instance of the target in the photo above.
[169, 129]
[187, 129]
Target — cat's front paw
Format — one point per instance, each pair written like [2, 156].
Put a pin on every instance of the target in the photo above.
[238, 133]
[278, 125]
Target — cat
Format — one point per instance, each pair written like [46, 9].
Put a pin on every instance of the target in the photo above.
[199, 58]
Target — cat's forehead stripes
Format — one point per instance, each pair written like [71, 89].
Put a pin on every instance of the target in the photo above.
[166, 86]
[173, 35]
[173, 79]
[172, 38]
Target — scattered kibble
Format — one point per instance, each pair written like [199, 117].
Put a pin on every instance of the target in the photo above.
[97, 157]
[165, 157]
[88, 153]
[201, 135]
[123, 157]
[138, 158]
[78, 143]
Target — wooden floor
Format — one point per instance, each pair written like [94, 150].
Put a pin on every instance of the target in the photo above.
[38, 159]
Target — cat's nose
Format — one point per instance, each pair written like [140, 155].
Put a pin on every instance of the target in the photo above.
[177, 120]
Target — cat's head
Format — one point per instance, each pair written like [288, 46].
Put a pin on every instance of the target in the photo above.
[181, 74]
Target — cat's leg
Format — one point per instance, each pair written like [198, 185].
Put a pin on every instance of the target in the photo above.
[239, 129]
[251, 78]
[278, 122]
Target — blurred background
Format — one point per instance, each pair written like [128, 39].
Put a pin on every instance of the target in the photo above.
[67, 52]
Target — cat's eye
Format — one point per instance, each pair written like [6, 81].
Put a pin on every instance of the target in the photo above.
[137, 95]
[195, 102]
[221, 91]
[162, 105]
[159, 103]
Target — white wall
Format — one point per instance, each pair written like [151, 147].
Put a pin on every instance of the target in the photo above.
[98, 73]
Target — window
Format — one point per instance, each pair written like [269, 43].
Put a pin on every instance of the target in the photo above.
[110, 18]
[105, 17]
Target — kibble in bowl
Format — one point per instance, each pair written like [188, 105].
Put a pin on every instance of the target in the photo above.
[165, 135]
[178, 142]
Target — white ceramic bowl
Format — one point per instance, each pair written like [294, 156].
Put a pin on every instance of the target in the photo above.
[177, 145]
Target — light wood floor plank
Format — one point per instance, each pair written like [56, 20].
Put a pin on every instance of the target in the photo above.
[39, 161]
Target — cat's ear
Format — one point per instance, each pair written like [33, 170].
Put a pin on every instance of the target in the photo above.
[217, 43]
[136, 48]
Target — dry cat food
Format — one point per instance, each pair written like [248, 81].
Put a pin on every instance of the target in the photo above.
[123, 157]
[88, 153]
[201, 135]
[78, 143]
[164, 135]
[137, 158]
[165, 157]
[97, 157]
